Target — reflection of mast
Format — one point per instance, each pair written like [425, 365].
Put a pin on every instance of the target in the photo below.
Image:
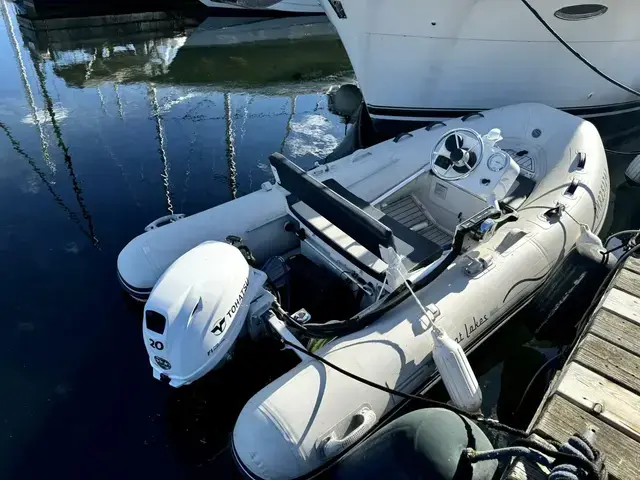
[118, 101]
[40, 173]
[231, 149]
[102, 105]
[153, 99]
[87, 75]
[63, 146]
[25, 84]
[287, 130]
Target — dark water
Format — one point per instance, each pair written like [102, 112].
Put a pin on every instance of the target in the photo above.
[102, 130]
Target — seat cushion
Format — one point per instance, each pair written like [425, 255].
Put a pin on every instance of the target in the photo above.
[416, 250]
[348, 217]
[338, 240]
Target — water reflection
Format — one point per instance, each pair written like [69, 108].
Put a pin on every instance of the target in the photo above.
[231, 148]
[50, 186]
[155, 109]
[25, 84]
[162, 114]
[38, 121]
[183, 63]
[258, 55]
[40, 73]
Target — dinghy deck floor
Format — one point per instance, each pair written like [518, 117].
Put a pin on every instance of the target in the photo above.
[407, 211]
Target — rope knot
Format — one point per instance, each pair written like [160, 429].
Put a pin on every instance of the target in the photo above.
[583, 448]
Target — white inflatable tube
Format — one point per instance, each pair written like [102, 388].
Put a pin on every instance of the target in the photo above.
[258, 218]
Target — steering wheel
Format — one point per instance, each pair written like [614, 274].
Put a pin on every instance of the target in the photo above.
[456, 154]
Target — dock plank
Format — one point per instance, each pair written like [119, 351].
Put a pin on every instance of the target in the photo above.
[616, 330]
[616, 406]
[610, 361]
[599, 388]
[632, 264]
[628, 281]
[623, 304]
[524, 469]
[561, 419]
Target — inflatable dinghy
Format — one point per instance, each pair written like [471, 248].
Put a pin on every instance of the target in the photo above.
[478, 211]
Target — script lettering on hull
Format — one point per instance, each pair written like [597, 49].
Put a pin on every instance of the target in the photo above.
[471, 326]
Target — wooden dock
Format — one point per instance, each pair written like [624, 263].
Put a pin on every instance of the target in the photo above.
[599, 387]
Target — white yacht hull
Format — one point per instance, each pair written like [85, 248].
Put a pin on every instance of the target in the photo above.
[424, 60]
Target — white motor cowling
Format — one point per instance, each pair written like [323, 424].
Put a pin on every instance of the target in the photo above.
[197, 310]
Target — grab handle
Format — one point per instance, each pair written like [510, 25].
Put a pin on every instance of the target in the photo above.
[364, 420]
[159, 222]
[472, 114]
[401, 135]
[433, 124]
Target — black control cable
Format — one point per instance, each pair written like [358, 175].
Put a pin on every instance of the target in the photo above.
[338, 328]
[408, 396]
[620, 152]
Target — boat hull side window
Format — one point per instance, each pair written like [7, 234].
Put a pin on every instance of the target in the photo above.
[581, 12]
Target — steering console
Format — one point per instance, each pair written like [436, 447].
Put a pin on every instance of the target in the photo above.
[474, 163]
[457, 154]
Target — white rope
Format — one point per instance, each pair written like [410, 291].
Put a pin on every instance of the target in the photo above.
[396, 266]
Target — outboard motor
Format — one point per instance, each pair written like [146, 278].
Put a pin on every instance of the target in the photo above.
[197, 310]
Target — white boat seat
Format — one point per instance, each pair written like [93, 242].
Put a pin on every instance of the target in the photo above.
[348, 224]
